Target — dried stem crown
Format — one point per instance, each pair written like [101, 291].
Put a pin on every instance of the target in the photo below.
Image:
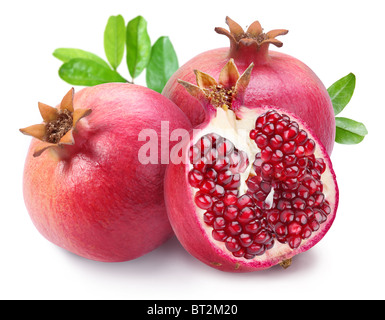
[58, 124]
[253, 35]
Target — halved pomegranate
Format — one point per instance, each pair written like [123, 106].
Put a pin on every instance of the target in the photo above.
[256, 187]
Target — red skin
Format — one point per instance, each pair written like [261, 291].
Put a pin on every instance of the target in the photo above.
[277, 80]
[97, 200]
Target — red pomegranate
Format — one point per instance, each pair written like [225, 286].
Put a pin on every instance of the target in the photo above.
[256, 186]
[85, 186]
[277, 79]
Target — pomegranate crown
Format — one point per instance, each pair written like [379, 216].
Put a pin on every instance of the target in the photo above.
[254, 35]
[58, 124]
[227, 93]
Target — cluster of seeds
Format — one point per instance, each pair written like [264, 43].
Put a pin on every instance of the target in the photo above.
[285, 168]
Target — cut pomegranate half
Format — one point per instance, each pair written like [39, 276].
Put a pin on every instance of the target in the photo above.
[256, 187]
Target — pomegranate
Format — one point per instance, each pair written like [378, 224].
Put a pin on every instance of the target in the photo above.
[85, 188]
[256, 186]
[277, 79]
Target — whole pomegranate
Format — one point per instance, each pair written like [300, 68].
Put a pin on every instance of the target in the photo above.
[256, 186]
[277, 79]
[86, 187]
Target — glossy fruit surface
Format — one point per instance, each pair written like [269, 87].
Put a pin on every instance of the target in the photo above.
[86, 189]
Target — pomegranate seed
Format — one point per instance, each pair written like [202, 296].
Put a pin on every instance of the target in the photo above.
[289, 147]
[256, 249]
[268, 129]
[287, 216]
[222, 164]
[301, 217]
[301, 137]
[314, 225]
[266, 154]
[207, 186]
[310, 183]
[203, 201]
[195, 178]
[235, 182]
[194, 154]
[224, 177]
[204, 145]
[299, 204]
[231, 212]
[230, 199]
[260, 122]
[253, 134]
[320, 165]
[219, 235]
[218, 208]
[309, 147]
[211, 174]
[240, 253]
[273, 116]
[232, 244]
[208, 218]
[283, 204]
[281, 126]
[289, 160]
[291, 132]
[277, 156]
[276, 141]
[219, 191]
[280, 229]
[326, 208]
[245, 240]
[263, 237]
[246, 215]
[261, 140]
[219, 223]
[306, 232]
[253, 227]
[294, 242]
[234, 228]
[300, 152]
[244, 201]
[302, 163]
[294, 228]
[225, 147]
[292, 172]
[319, 215]
[273, 216]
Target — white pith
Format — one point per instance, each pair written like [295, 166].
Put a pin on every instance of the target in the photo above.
[237, 131]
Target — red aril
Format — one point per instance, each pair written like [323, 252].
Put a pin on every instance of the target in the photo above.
[267, 190]
[277, 80]
[85, 187]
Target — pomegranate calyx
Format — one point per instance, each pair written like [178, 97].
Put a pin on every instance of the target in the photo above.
[227, 93]
[58, 124]
[254, 35]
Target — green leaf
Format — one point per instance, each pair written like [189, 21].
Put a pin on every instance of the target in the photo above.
[138, 46]
[84, 72]
[341, 92]
[67, 54]
[349, 131]
[163, 63]
[114, 40]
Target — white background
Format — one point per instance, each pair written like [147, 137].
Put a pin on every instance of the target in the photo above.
[332, 37]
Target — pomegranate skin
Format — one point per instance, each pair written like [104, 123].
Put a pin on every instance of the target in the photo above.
[277, 79]
[96, 199]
